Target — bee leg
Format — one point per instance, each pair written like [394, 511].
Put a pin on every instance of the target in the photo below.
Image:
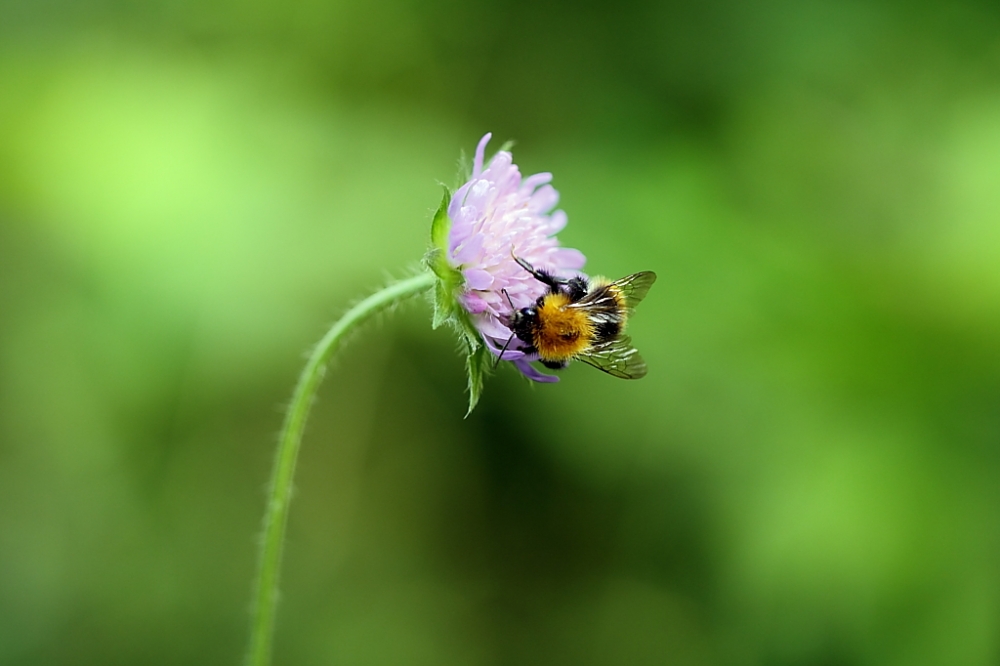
[555, 365]
[551, 281]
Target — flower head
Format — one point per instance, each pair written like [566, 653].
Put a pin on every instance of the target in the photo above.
[494, 216]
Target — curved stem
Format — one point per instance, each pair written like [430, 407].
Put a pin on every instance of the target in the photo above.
[276, 513]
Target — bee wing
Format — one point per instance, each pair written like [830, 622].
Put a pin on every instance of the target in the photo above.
[616, 357]
[608, 297]
[635, 287]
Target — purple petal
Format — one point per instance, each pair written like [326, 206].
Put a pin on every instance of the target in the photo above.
[568, 258]
[528, 371]
[470, 249]
[477, 164]
[529, 184]
[477, 278]
[502, 169]
[508, 354]
[492, 327]
[457, 201]
[468, 213]
[544, 199]
[557, 221]
[462, 227]
[480, 190]
[473, 302]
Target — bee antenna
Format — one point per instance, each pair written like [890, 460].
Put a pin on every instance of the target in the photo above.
[506, 344]
[504, 290]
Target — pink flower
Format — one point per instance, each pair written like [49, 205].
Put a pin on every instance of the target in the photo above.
[495, 215]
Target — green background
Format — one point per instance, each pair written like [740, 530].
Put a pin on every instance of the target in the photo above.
[191, 192]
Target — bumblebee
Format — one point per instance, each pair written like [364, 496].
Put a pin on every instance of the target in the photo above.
[584, 320]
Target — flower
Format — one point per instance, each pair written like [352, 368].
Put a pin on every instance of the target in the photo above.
[494, 216]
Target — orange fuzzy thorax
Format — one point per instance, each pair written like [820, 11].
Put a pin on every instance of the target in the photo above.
[562, 332]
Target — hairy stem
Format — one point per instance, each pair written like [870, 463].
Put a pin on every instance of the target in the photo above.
[276, 513]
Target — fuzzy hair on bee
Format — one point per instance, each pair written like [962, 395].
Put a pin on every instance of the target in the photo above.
[580, 319]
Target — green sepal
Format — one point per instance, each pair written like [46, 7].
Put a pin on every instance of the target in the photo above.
[449, 278]
[477, 357]
[449, 284]
[441, 314]
[478, 365]
[447, 309]
[441, 224]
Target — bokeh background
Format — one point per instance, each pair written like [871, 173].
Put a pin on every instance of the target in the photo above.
[191, 192]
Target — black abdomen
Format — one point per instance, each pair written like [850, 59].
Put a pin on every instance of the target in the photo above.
[607, 330]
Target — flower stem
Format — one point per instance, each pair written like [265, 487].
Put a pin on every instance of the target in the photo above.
[276, 513]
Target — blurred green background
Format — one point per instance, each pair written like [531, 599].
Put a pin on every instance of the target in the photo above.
[190, 192]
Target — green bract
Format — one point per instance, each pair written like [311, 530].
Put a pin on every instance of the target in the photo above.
[447, 310]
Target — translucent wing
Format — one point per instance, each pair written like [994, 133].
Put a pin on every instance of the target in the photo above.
[617, 357]
[608, 298]
[635, 287]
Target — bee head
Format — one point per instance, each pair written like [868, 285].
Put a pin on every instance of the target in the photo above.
[523, 321]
